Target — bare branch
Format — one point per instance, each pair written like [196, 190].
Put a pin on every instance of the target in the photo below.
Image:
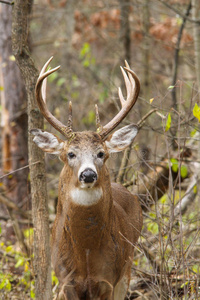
[127, 152]
[6, 2]
[197, 21]
[188, 198]
[27, 166]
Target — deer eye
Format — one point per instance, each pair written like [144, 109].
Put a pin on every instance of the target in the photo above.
[71, 155]
[101, 154]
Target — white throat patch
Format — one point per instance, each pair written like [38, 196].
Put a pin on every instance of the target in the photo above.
[86, 197]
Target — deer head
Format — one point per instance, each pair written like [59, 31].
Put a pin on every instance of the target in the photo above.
[86, 152]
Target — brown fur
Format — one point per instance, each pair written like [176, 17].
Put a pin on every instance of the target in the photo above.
[92, 246]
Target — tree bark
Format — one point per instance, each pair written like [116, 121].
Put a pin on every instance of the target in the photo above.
[42, 265]
[175, 72]
[14, 116]
[196, 30]
[146, 50]
[125, 38]
[196, 34]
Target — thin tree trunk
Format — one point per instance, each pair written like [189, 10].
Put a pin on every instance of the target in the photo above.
[176, 56]
[13, 116]
[175, 71]
[196, 15]
[196, 34]
[42, 265]
[146, 50]
[125, 38]
[67, 52]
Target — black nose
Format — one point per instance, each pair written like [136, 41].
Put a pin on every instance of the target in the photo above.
[88, 176]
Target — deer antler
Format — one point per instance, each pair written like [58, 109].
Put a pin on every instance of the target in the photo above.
[133, 88]
[40, 91]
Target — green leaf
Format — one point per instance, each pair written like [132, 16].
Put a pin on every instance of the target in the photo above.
[195, 268]
[53, 76]
[28, 232]
[153, 227]
[75, 95]
[5, 283]
[196, 111]
[32, 294]
[32, 290]
[174, 165]
[171, 87]
[163, 199]
[85, 50]
[86, 63]
[11, 58]
[54, 279]
[168, 123]
[60, 81]
[179, 21]
[103, 95]
[193, 132]
[9, 249]
[2, 284]
[90, 119]
[186, 283]
[184, 171]
[75, 81]
[20, 262]
[195, 189]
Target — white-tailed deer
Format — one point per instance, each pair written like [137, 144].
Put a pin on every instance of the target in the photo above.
[97, 222]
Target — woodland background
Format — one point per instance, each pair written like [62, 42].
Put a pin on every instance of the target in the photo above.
[90, 40]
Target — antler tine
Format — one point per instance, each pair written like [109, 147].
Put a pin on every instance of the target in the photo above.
[129, 75]
[98, 123]
[133, 88]
[70, 117]
[40, 92]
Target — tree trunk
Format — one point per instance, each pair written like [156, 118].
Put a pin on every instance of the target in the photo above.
[42, 264]
[14, 116]
[175, 73]
[146, 50]
[196, 33]
[196, 15]
[124, 37]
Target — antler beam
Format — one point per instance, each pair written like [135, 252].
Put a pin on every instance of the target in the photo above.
[133, 88]
[40, 92]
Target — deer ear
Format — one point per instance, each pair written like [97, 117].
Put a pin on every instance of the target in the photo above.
[48, 142]
[121, 138]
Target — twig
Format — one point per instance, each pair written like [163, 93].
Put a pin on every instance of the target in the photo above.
[140, 123]
[7, 255]
[27, 166]
[18, 232]
[176, 55]
[26, 222]
[187, 199]
[6, 2]
[11, 205]
[152, 259]
[124, 162]
[178, 12]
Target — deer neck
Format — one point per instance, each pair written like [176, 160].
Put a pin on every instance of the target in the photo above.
[86, 212]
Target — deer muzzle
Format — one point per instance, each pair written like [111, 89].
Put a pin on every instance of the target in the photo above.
[88, 176]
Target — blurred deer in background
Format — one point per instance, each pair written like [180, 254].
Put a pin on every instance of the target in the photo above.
[98, 222]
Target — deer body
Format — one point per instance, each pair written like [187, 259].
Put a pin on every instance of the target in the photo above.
[97, 223]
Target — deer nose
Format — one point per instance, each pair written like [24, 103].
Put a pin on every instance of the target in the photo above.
[88, 176]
